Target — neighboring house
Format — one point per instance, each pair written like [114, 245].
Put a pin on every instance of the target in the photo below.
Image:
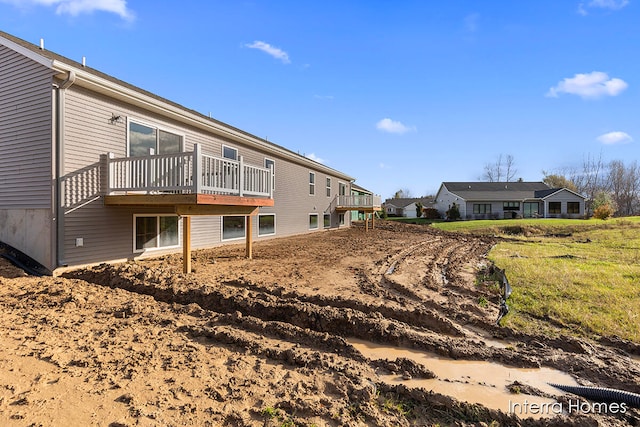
[485, 200]
[93, 169]
[406, 207]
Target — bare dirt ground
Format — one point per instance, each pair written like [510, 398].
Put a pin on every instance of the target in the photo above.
[264, 342]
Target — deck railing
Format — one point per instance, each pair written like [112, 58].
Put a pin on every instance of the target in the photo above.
[354, 201]
[187, 172]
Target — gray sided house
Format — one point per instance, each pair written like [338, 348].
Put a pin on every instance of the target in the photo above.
[494, 200]
[93, 169]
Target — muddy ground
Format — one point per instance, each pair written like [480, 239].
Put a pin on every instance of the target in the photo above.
[263, 342]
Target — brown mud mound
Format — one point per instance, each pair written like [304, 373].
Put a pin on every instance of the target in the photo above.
[266, 341]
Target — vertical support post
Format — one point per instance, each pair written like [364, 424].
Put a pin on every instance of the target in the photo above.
[149, 165]
[196, 169]
[373, 220]
[186, 244]
[249, 237]
[241, 175]
[271, 181]
[108, 171]
[366, 222]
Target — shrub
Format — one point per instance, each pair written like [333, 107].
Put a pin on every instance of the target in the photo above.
[431, 213]
[453, 213]
[604, 211]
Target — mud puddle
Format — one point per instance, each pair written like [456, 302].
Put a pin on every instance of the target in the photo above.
[480, 382]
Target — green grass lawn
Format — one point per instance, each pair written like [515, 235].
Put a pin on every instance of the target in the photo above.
[585, 282]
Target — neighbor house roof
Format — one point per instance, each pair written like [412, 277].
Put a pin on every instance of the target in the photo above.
[106, 84]
[496, 190]
[403, 202]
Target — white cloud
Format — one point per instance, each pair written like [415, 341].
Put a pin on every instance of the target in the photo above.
[315, 158]
[270, 50]
[324, 97]
[609, 4]
[592, 85]
[601, 4]
[615, 138]
[384, 166]
[392, 126]
[77, 7]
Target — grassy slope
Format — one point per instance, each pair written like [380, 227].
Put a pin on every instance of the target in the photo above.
[585, 282]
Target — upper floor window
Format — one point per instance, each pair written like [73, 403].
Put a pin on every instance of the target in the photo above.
[229, 152]
[144, 139]
[328, 187]
[312, 183]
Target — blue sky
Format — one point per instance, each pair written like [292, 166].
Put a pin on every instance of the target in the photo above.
[399, 95]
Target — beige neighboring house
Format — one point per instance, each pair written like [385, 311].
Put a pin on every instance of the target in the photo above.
[94, 169]
[495, 200]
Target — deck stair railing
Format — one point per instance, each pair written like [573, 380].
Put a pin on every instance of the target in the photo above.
[187, 173]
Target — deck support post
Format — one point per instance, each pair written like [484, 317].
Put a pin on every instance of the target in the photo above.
[373, 220]
[186, 244]
[249, 240]
[366, 222]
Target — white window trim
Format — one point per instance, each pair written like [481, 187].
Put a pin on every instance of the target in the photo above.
[273, 182]
[317, 221]
[232, 148]
[274, 224]
[326, 226]
[157, 248]
[158, 128]
[222, 239]
[346, 188]
[328, 184]
[314, 183]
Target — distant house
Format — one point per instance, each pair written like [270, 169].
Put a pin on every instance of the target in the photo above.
[406, 207]
[486, 200]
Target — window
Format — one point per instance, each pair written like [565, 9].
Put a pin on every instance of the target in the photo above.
[554, 207]
[271, 163]
[155, 232]
[312, 183]
[573, 207]
[233, 227]
[327, 220]
[313, 221]
[266, 224]
[511, 206]
[482, 208]
[229, 153]
[328, 187]
[342, 188]
[143, 138]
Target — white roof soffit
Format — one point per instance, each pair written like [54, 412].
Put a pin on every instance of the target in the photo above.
[106, 87]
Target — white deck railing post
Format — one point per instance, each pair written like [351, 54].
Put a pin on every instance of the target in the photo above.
[149, 165]
[110, 173]
[241, 176]
[271, 183]
[197, 168]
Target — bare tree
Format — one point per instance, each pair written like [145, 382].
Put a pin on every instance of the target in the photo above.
[623, 183]
[402, 193]
[503, 170]
[590, 180]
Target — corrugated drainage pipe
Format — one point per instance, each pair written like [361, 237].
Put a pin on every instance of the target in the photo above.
[602, 394]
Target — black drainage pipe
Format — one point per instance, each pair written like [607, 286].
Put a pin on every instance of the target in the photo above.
[602, 394]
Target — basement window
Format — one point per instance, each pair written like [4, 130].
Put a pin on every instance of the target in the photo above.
[266, 224]
[313, 221]
[233, 227]
[155, 232]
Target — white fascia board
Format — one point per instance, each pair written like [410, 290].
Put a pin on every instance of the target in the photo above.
[111, 89]
[27, 52]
